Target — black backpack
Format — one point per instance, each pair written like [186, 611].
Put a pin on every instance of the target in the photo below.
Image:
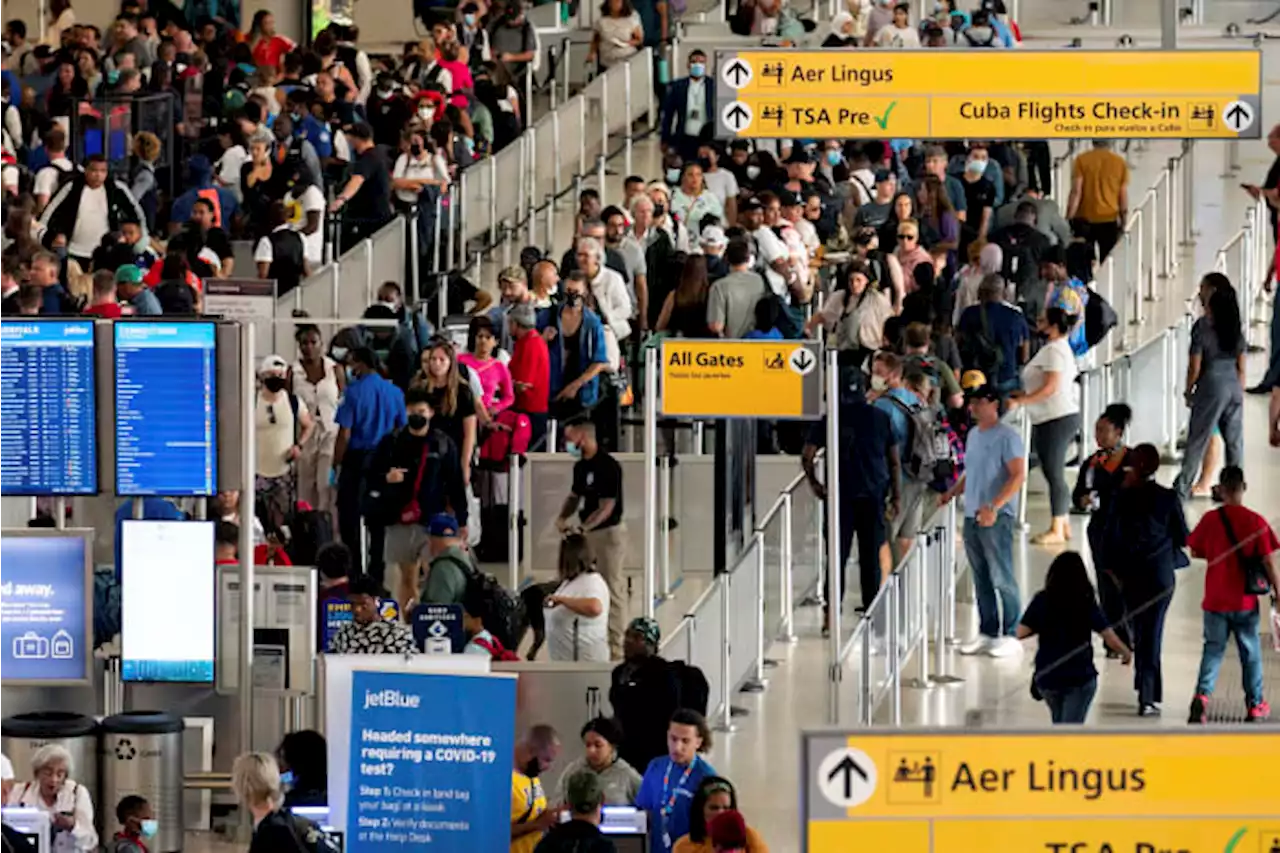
[505, 616]
[980, 351]
[692, 686]
[1021, 265]
[1099, 318]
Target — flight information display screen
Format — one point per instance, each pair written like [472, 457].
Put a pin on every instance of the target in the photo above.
[166, 409]
[48, 437]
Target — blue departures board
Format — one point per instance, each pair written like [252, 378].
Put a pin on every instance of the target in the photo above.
[166, 409]
[48, 437]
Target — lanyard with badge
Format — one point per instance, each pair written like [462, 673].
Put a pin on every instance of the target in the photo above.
[669, 796]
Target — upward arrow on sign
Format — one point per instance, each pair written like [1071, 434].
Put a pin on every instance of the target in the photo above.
[737, 72]
[848, 767]
[738, 117]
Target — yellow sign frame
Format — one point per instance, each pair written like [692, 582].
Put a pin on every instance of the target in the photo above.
[724, 378]
[973, 791]
[1025, 94]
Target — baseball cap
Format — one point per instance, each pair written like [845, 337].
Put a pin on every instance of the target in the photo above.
[798, 155]
[583, 792]
[661, 187]
[129, 274]
[273, 364]
[360, 130]
[713, 235]
[750, 204]
[442, 524]
[883, 175]
[976, 386]
[788, 199]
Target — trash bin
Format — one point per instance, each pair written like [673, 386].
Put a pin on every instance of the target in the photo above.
[142, 754]
[22, 734]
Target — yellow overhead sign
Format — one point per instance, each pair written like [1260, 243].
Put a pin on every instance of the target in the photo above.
[1076, 791]
[1001, 94]
[741, 379]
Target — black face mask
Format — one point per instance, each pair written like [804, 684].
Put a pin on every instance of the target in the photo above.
[415, 149]
[417, 422]
[274, 383]
[572, 299]
[659, 210]
[532, 768]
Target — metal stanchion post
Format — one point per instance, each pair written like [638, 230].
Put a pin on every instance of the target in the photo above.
[582, 138]
[626, 100]
[248, 510]
[892, 652]
[523, 202]
[600, 173]
[335, 279]
[787, 581]
[553, 434]
[555, 159]
[757, 683]
[436, 230]
[532, 224]
[413, 287]
[1168, 257]
[1136, 242]
[699, 438]
[507, 233]
[833, 536]
[514, 510]
[556, 61]
[664, 524]
[944, 571]
[1152, 233]
[726, 658]
[650, 481]
[1189, 194]
[449, 208]
[462, 210]
[549, 225]
[819, 556]
[369, 289]
[493, 202]
[918, 596]
[1025, 429]
[526, 108]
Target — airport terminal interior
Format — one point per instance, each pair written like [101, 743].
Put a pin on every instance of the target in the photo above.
[762, 750]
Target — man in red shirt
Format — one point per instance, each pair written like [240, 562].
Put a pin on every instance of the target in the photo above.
[104, 302]
[530, 371]
[1228, 610]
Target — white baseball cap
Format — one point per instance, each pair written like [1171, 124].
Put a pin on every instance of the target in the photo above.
[273, 364]
[713, 235]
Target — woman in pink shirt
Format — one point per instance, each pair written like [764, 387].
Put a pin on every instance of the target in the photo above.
[495, 379]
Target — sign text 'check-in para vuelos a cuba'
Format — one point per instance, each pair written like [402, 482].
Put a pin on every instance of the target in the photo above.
[1075, 790]
[985, 94]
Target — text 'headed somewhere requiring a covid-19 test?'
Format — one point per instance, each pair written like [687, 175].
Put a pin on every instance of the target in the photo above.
[1022, 94]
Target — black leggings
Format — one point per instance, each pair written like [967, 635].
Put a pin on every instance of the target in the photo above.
[1050, 440]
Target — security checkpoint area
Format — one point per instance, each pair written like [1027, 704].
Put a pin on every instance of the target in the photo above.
[626, 613]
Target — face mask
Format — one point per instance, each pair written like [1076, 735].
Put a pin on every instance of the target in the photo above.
[574, 450]
[424, 113]
[352, 376]
[753, 172]
[274, 383]
[697, 70]
[150, 827]
[386, 92]
[673, 176]
[659, 211]
[469, 20]
[833, 158]
[470, 144]
[297, 117]
[573, 298]
[417, 422]
[879, 383]
[338, 353]
[286, 778]
[144, 243]
[532, 768]
[976, 167]
[415, 149]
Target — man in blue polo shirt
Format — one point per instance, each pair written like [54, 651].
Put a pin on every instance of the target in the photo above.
[370, 410]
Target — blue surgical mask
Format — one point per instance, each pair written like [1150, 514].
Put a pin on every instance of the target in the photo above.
[673, 176]
[338, 353]
[352, 376]
[833, 157]
[286, 778]
[574, 450]
[697, 70]
[150, 828]
[976, 167]
[469, 20]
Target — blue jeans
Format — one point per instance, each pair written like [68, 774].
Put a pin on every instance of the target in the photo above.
[1244, 626]
[1072, 704]
[990, 553]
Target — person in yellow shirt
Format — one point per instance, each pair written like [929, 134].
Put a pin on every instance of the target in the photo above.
[530, 816]
[715, 796]
[1100, 195]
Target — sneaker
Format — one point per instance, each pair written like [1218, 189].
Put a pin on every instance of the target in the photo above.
[977, 646]
[1259, 712]
[1004, 647]
[1199, 710]
[1149, 709]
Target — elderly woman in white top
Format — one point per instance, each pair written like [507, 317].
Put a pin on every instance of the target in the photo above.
[68, 802]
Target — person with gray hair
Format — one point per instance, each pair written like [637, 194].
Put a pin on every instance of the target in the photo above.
[255, 781]
[608, 289]
[530, 369]
[67, 802]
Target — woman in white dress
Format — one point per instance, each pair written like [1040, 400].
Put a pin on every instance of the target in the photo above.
[318, 382]
[578, 611]
[67, 802]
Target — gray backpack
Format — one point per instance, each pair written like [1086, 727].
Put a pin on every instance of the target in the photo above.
[928, 445]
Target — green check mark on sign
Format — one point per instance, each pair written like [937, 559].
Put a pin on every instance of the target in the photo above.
[883, 120]
[1235, 839]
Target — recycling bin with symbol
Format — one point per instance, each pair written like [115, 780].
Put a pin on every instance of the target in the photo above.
[22, 734]
[142, 754]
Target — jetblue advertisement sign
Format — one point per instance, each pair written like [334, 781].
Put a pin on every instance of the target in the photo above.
[430, 762]
[437, 628]
[45, 634]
